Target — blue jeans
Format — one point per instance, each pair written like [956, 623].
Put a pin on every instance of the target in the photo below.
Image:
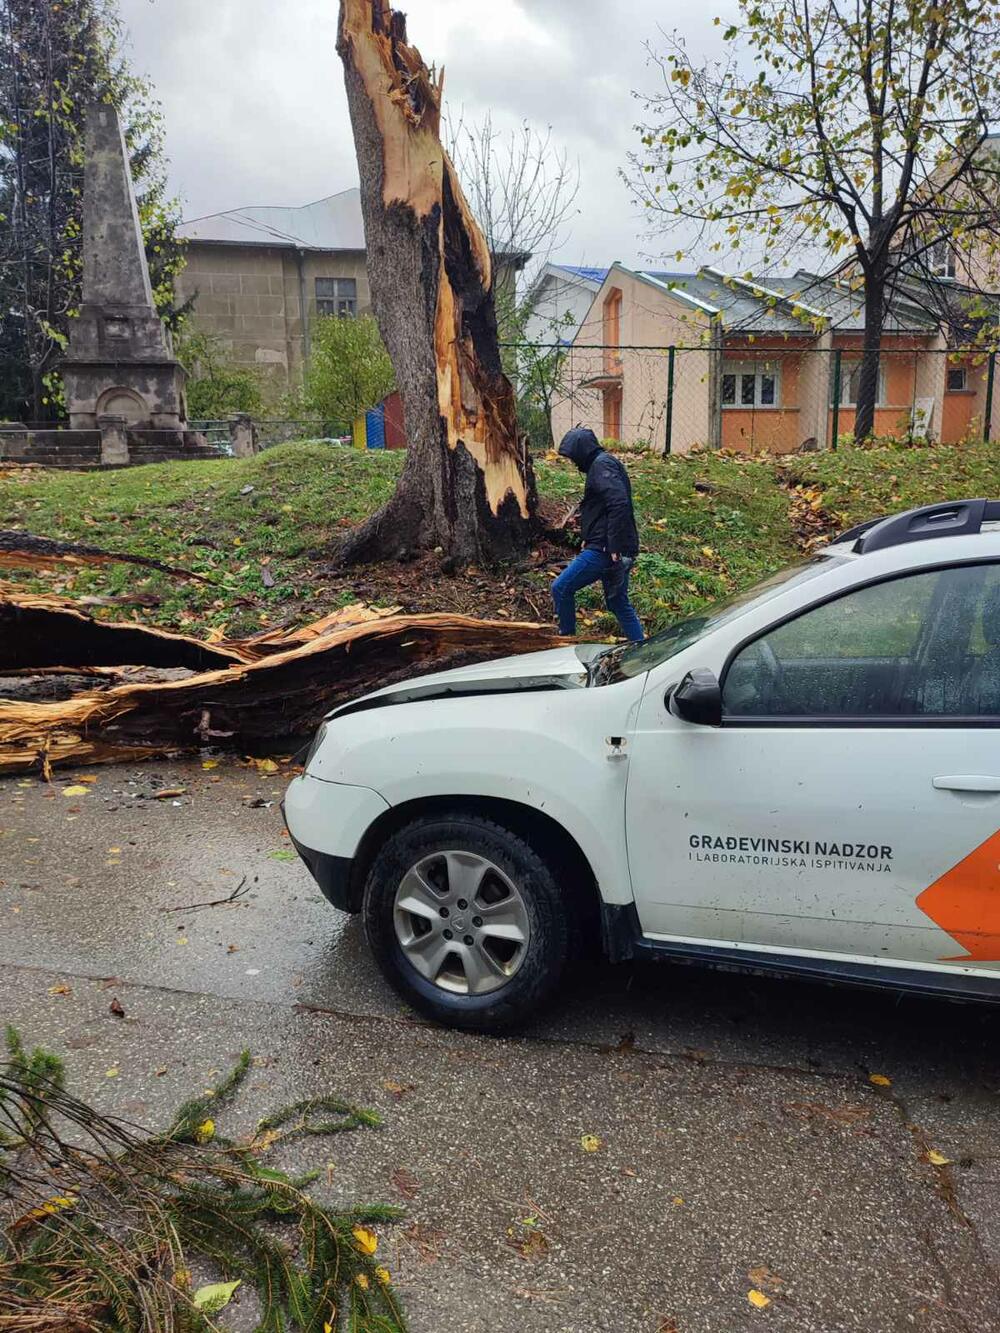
[587, 568]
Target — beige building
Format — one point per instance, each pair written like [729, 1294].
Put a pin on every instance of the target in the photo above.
[681, 360]
[261, 277]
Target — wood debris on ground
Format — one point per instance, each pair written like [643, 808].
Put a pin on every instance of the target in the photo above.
[242, 694]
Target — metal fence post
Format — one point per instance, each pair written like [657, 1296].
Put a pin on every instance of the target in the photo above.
[671, 355]
[838, 354]
[988, 415]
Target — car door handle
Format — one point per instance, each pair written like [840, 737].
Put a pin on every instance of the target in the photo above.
[967, 782]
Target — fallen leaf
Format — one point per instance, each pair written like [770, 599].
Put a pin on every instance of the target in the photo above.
[215, 1297]
[677, 1201]
[405, 1182]
[111, 1073]
[160, 1072]
[117, 1008]
[590, 1143]
[283, 854]
[365, 1240]
[89, 778]
[880, 1080]
[362, 1281]
[668, 1324]
[170, 791]
[232, 948]
[114, 851]
[60, 990]
[763, 1278]
[210, 763]
[758, 1300]
[76, 791]
[383, 1275]
[937, 1158]
[264, 765]
[205, 1132]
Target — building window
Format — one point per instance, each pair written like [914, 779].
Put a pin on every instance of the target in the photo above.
[941, 259]
[336, 296]
[750, 384]
[850, 382]
[613, 331]
[957, 382]
[613, 413]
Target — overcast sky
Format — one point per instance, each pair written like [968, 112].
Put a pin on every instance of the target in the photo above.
[256, 113]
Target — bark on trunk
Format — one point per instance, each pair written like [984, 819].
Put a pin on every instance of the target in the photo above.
[864, 420]
[269, 690]
[468, 484]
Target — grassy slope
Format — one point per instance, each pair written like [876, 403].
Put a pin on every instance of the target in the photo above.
[710, 524]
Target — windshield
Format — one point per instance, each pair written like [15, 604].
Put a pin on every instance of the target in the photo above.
[644, 656]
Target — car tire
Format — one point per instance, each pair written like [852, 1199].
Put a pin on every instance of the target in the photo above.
[428, 859]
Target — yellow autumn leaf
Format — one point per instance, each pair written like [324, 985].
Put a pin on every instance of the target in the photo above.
[111, 1073]
[880, 1080]
[76, 791]
[210, 763]
[60, 990]
[383, 1276]
[264, 765]
[590, 1143]
[205, 1132]
[757, 1299]
[708, 553]
[937, 1158]
[365, 1240]
[678, 1201]
[362, 1281]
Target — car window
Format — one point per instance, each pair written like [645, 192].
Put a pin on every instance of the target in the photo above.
[642, 657]
[926, 644]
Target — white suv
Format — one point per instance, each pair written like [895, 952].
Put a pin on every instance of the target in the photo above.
[804, 779]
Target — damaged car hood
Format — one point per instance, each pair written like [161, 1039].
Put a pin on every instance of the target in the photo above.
[556, 668]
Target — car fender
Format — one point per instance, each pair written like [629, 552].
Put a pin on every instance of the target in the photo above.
[549, 751]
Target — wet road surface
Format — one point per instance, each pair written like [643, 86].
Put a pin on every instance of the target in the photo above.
[743, 1143]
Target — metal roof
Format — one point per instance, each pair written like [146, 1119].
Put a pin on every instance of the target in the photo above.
[594, 275]
[334, 223]
[784, 305]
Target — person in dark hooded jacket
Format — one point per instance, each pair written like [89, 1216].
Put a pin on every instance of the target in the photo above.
[610, 537]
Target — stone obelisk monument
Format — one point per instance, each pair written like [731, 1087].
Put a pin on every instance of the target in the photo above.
[120, 362]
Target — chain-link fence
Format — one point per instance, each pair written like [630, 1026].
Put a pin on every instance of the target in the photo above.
[756, 395]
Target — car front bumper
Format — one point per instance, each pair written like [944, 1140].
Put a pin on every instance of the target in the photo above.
[326, 822]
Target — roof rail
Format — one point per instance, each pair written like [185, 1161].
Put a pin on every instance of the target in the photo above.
[954, 518]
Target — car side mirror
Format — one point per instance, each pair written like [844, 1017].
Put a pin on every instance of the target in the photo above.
[698, 699]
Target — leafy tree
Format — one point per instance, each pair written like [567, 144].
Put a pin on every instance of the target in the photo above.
[216, 387]
[858, 130]
[349, 369]
[55, 60]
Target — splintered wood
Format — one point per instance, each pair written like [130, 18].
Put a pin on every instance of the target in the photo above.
[246, 695]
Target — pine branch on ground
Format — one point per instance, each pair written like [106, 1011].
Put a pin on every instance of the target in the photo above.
[101, 1226]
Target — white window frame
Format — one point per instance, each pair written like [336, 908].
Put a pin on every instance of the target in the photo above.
[848, 369]
[759, 369]
[957, 370]
[941, 259]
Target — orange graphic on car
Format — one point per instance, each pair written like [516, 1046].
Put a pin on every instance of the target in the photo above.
[965, 903]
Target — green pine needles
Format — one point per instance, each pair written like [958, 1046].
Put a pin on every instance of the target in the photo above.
[102, 1227]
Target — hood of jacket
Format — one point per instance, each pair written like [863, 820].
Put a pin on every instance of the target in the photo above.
[581, 446]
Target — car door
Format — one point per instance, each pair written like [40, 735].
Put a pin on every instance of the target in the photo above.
[850, 801]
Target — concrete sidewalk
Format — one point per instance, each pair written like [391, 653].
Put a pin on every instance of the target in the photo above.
[743, 1144]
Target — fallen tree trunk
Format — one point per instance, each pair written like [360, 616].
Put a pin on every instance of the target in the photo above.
[250, 704]
[468, 486]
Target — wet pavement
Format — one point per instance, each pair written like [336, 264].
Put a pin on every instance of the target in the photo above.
[743, 1144]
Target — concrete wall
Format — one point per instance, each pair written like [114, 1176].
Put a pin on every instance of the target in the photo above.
[251, 297]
